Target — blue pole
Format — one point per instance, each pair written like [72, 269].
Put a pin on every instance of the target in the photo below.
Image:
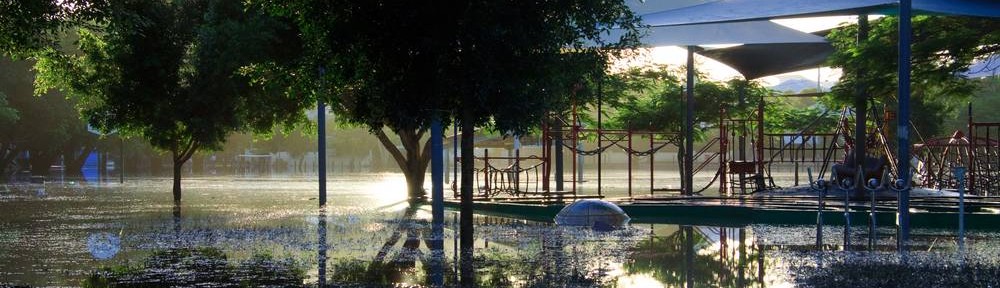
[689, 126]
[321, 149]
[437, 200]
[903, 126]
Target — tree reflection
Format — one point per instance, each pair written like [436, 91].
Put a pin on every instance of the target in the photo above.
[690, 258]
[205, 267]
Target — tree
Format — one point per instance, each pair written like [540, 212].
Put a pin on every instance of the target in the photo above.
[171, 73]
[653, 100]
[29, 26]
[395, 66]
[943, 48]
[47, 126]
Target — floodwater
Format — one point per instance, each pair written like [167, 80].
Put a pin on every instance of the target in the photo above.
[63, 234]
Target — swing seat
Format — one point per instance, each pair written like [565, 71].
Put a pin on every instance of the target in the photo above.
[874, 167]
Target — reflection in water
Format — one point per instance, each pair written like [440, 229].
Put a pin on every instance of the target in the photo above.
[204, 267]
[321, 246]
[698, 257]
[366, 244]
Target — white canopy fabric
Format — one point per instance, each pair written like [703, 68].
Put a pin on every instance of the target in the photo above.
[767, 48]
[747, 10]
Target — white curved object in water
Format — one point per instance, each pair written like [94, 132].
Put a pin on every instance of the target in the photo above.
[103, 245]
[598, 214]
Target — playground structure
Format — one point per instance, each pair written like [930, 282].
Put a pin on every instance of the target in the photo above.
[743, 154]
[978, 149]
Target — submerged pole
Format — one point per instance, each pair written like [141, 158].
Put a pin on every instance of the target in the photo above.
[960, 178]
[437, 201]
[902, 126]
[847, 218]
[321, 149]
[689, 126]
[321, 246]
[121, 156]
[559, 156]
[820, 188]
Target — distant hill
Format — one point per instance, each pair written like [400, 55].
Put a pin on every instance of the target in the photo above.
[795, 84]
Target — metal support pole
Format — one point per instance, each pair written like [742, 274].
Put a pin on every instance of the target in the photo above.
[321, 149]
[486, 171]
[902, 125]
[972, 150]
[600, 116]
[652, 159]
[437, 178]
[689, 126]
[847, 219]
[960, 177]
[437, 200]
[872, 186]
[517, 171]
[546, 156]
[559, 156]
[629, 163]
[860, 110]
[121, 156]
[576, 134]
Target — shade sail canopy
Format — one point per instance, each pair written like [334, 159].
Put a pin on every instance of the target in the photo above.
[760, 60]
[747, 10]
[766, 48]
[753, 32]
[642, 7]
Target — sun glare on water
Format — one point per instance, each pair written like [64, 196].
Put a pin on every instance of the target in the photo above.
[387, 189]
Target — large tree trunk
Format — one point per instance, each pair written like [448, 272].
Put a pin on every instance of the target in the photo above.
[40, 162]
[465, 208]
[180, 157]
[414, 163]
[177, 180]
[7, 154]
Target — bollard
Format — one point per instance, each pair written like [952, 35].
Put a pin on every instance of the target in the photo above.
[820, 187]
[960, 177]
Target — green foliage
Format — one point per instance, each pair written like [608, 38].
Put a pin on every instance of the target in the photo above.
[46, 125]
[392, 65]
[943, 47]
[653, 100]
[8, 115]
[397, 64]
[984, 100]
[199, 266]
[28, 26]
[168, 71]
[782, 116]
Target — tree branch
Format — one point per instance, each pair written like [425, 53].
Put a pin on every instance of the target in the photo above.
[426, 153]
[393, 150]
[188, 152]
